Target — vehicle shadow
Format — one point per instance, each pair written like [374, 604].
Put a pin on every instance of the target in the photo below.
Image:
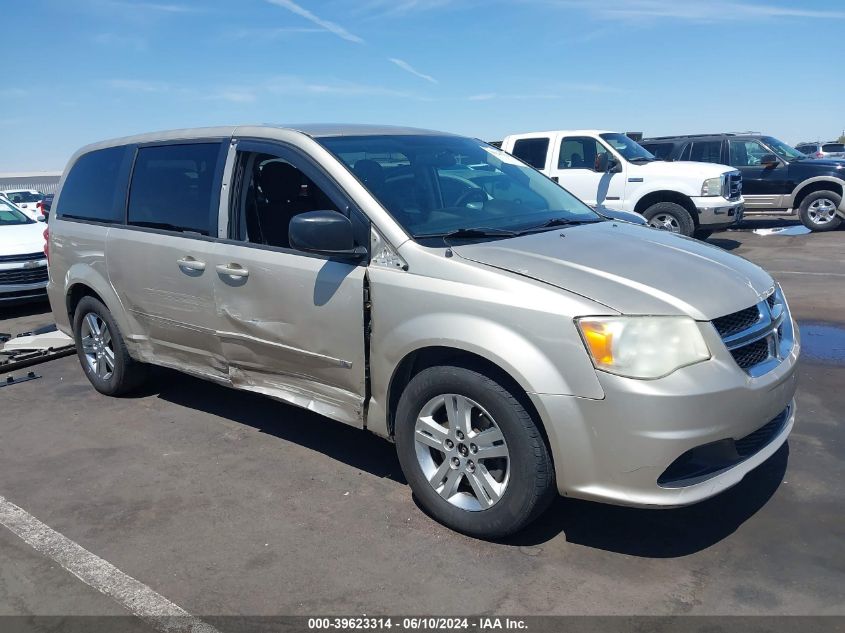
[339, 441]
[653, 533]
[27, 309]
[723, 243]
[635, 532]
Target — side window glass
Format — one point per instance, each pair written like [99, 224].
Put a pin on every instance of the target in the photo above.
[273, 191]
[746, 153]
[532, 150]
[685, 153]
[580, 153]
[663, 151]
[173, 188]
[706, 151]
[95, 188]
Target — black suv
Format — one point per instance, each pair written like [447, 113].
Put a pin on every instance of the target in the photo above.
[776, 178]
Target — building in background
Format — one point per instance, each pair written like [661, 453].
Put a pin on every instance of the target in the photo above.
[43, 181]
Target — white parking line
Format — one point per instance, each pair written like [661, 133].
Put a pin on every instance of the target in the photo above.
[135, 596]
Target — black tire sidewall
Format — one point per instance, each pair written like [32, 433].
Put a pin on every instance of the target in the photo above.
[519, 503]
[116, 384]
[685, 221]
[804, 216]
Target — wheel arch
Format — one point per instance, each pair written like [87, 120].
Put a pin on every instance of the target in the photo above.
[667, 195]
[819, 183]
[437, 355]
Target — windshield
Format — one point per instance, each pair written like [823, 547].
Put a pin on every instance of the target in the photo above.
[783, 150]
[629, 148]
[23, 196]
[9, 215]
[436, 185]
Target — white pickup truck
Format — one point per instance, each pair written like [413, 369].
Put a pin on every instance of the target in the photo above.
[610, 170]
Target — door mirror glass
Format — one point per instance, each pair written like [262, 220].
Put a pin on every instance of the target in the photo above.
[770, 160]
[325, 233]
[606, 163]
[41, 217]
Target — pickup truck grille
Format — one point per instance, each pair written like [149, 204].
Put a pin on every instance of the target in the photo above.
[760, 336]
[732, 187]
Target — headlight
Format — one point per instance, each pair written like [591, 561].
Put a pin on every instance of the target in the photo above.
[643, 347]
[712, 187]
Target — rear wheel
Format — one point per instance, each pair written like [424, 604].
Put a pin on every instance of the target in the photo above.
[669, 216]
[472, 454]
[102, 352]
[818, 211]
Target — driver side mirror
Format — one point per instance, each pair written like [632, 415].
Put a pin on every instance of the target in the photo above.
[40, 218]
[324, 233]
[769, 160]
[606, 163]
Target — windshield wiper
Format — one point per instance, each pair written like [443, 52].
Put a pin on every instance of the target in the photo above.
[560, 222]
[474, 232]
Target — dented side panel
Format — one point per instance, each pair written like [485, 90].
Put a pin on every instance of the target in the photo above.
[293, 328]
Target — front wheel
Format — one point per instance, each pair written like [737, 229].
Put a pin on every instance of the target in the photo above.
[818, 211]
[669, 216]
[472, 454]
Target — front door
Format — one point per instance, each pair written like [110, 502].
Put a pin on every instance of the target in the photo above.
[575, 164]
[291, 324]
[763, 186]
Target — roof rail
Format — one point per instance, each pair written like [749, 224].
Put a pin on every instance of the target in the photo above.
[671, 136]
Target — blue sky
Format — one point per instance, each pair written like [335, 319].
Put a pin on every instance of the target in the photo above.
[77, 71]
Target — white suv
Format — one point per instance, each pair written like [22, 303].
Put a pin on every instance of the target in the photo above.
[610, 170]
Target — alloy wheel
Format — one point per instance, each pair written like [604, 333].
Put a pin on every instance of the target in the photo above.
[462, 452]
[665, 222]
[822, 211]
[97, 345]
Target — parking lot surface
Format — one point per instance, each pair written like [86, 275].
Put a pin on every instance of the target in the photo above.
[228, 503]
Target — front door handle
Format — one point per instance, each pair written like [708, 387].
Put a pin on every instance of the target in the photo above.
[189, 263]
[232, 270]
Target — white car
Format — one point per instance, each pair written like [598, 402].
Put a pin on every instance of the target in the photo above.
[23, 264]
[609, 170]
[27, 200]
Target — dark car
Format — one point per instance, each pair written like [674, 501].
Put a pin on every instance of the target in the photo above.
[46, 204]
[776, 178]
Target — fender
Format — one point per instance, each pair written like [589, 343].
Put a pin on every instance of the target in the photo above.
[789, 201]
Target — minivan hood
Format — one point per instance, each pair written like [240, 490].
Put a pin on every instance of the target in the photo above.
[22, 239]
[631, 269]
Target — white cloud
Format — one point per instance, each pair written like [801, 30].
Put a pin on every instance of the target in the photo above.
[271, 33]
[294, 85]
[156, 7]
[692, 10]
[139, 85]
[410, 69]
[326, 25]
[383, 8]
[487, 96]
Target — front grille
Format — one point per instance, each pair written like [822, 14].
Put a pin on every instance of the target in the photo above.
[736, 322]
[24, 275]
[760, 336]
[753, 442]
[752, 354]
[22, 258]
[733, 186]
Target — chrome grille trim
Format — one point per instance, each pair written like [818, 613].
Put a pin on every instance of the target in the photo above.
[761, 347]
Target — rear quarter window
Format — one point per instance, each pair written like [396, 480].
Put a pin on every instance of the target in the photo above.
[532, 151]
[833, 147]
[176, 188]
[663, 151]
[95, 187]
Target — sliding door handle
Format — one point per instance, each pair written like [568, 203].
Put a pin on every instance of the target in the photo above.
[232, 270]
[189, 263]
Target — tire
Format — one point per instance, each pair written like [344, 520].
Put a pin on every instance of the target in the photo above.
[486, 497]
[818, 211]
[670, 216]
[702, 234]
[102, 351]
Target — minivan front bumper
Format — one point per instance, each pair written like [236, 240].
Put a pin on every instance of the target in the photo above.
[617, 449]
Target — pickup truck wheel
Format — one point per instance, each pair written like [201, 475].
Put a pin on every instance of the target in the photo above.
[818, 211]
[669, 216]
[472, 454]
[102, 352]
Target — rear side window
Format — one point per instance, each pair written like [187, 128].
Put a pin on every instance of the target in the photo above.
[173, 188]
[706, 151]
[95, 187]
[833, 147]
[532, 150]
[805, 149]
[663, 151]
